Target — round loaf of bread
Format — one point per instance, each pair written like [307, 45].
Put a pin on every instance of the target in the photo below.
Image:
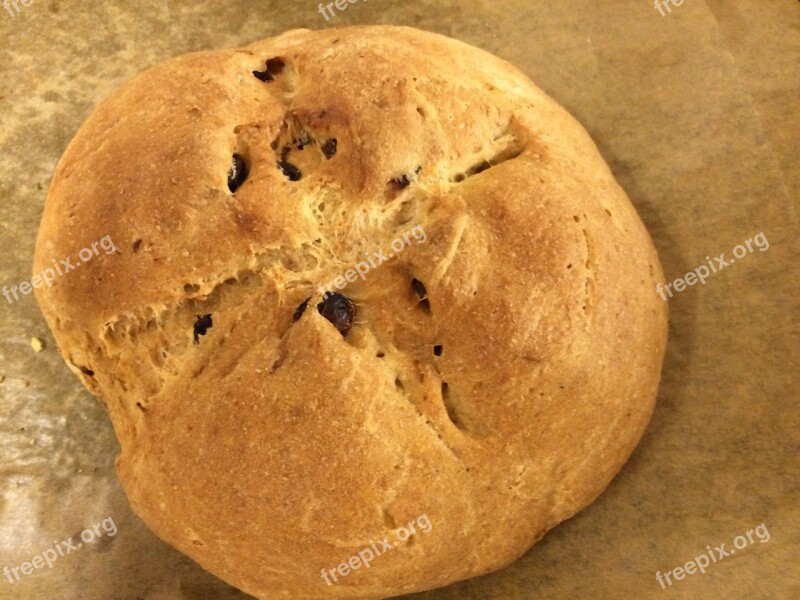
[348, 290]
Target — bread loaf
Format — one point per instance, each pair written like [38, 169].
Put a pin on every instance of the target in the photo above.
[281, 407]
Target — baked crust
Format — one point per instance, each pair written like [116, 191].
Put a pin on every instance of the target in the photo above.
[277, 447]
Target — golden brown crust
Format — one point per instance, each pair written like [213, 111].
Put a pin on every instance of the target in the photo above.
[275, 448]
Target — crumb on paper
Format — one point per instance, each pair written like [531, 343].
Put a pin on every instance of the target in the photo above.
[37, 344]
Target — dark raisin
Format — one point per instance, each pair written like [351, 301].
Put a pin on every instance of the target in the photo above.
[329, 148]
[300, 310]
[419, 288]
[339, 310]
[422, 294]
[136, 244]
[437, 350]
[399, 183]
[288, 169]
[402, 182]
[238, 172]
[201, 326]
[86, 371]
[274, 66]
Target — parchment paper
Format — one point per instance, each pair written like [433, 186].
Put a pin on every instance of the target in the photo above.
[697, 113]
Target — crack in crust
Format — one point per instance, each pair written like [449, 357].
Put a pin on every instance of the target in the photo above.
[158, 328]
